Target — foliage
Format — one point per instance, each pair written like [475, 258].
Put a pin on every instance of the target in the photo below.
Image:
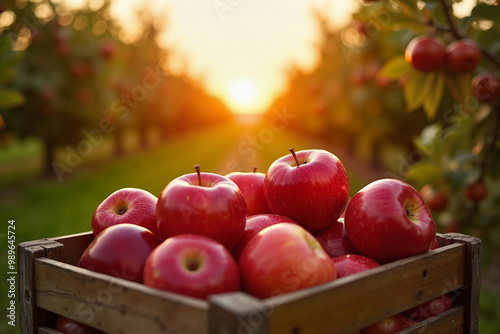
[9, 97]
[81, 80]
[460, 147]
[365, 94]
[346, 100]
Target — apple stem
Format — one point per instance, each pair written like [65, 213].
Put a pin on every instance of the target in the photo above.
[408, 212]
[197, 167]
[294, 156]
[255, 169]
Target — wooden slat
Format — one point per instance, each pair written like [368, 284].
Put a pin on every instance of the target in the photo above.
[354, 302]
[74, 245]
[342, 306]
[238, 313]
[115, 305]
[451, 321]
[47, 330]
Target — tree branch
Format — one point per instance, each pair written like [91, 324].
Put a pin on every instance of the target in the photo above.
[457, 34]
[448, 13]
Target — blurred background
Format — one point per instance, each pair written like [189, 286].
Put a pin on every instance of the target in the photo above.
[98, 95]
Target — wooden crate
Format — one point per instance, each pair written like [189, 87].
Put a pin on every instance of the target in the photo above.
[50, 283]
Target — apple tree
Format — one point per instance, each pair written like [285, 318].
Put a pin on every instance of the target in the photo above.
[9, 97]
[449, 68]
[345, 100]
[67, 58]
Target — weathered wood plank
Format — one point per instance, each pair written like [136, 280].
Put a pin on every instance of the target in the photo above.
[74, 245]
[115, 305]
[354, 302]
[451, 321]
[31, 316]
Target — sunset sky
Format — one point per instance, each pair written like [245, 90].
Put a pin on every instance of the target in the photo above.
[240, 49]
[226, 42]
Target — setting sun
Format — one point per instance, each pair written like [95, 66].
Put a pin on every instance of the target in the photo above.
[242, 95]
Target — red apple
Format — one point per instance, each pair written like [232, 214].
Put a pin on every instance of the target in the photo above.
[192, 265]
[463, 55]
[334, 240]
[434, 245]
[407, 322]
[254, 225]
[350, 264]
[202, 203]
[107, 49]
[388, 220]
[436, 200]
[486, 87]
[283, 258]
[69, 326]
[120, 251]
[392, 324]
[252, 188]
[430, 308]
[476, 192]
[126, 205]
[79, 69]
[311, 187]
[425, 53]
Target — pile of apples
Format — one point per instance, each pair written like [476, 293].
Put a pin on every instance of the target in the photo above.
[266, 234]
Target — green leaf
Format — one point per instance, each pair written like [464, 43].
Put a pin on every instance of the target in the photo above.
[6, 76]
[424, 172]
[485, 11]
[417, 88]
[4, 44]
[10, 60]
[390, 21]
[408, 5]
[10, 98]
[492, 166]
[395, 67]
[433, 99]
[459, 85]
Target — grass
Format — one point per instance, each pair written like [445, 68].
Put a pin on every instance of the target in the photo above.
[47, 208]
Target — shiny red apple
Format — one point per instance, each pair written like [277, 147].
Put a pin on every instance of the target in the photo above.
[425, 53]
[435, 199]
[283, 258]
[192, 265]
[434, 245]
[126, 205]
[120, 251]
[351, 264]
[388, 220]
[311, 187]
[252, 188]
[254, 225]
[207, 204]
[334, 239]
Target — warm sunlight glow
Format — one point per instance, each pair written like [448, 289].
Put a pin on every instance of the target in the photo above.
[242, 95]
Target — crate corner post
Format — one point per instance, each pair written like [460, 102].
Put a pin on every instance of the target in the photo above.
[31, 316]
[238, 312]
